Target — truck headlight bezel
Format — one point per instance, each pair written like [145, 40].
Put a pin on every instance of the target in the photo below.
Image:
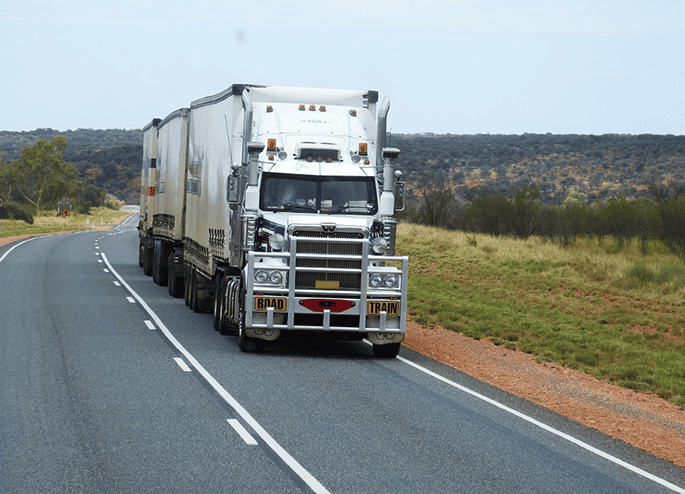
[269, 277]
[387, 281]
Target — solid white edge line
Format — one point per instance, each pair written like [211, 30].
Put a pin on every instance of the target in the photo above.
[301, 472]
[571, 439]
[20, 243]
[242, 432]
[182, 364]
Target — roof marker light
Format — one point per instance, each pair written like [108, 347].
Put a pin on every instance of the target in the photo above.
[312, 107]
[301, 107]
[269, 109]
[353, 113]
[322, 108]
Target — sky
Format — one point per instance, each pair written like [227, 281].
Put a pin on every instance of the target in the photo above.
[459, 66]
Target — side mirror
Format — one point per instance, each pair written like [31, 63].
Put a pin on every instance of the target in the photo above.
[399, 191]
[391, 154]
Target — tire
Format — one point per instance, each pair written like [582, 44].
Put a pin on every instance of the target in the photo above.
[162, 270]
[155, 263]
[192, 299]
[186, 286]
[245, 343]
[141, 256]
[389, 350]
[218, 303]
[171, 274]
[147, 259]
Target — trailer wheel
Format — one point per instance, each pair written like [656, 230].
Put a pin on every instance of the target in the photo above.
[218, 296]
[155, 263]
[147, 258]
[186, 286]
[389, 350]
[172, 274]
[175, 281]
[162, 270]
[192, 291]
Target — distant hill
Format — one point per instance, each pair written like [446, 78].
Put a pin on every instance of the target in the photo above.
[599, 166]
[110, 159]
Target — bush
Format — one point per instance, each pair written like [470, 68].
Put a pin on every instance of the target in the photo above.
[672, 226]
[15, 211]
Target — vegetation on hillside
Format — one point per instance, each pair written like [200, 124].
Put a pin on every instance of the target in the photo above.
[599, 166]
[106, 160]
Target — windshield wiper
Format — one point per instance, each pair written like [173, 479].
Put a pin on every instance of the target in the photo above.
[294, 206]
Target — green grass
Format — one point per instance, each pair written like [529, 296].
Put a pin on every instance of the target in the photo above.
[49, 223]
[615, 314]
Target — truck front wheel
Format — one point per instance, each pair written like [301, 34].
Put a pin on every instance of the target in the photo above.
[245, 343]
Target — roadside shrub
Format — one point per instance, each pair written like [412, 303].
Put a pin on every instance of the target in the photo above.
[641, 273]
[672, 272]
[15, 211]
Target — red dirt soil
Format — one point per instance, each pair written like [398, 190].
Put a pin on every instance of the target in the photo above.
[643, 420]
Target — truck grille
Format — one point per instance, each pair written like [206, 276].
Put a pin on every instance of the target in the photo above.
[348, 281]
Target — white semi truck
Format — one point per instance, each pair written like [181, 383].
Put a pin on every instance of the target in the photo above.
[274, 207]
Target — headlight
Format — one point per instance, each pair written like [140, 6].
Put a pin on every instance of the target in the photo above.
[268, 277]
[380, 281]
[261, 276]
[390, 281]
[276, 277]
[376, 280]
[379, 245]
[276, 241]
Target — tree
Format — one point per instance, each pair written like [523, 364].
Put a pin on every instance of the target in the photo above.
[42, 176]
[8, 180]
[438, 205]
[672, 225]
[526, 205]
[491, 214]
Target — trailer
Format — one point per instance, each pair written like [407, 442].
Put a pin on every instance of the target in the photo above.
[274, 209]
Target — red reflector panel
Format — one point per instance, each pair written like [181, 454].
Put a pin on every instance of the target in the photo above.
[319, 305]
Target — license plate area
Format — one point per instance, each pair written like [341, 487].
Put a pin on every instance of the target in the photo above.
[375, 307]
[263, 303]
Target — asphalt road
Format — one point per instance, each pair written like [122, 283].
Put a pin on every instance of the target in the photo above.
[107, 384]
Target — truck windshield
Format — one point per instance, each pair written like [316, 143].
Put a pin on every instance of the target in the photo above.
[327, 195]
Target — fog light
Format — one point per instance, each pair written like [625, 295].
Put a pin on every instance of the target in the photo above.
[379, 245]
[276, 241]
